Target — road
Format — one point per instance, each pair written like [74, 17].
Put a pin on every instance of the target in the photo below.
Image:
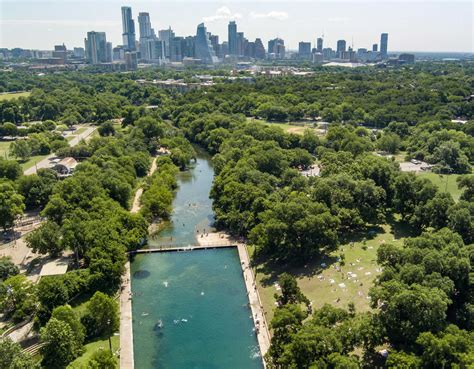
[48, 161]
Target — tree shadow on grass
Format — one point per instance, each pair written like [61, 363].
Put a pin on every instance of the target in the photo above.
[272, 269]
[401, 228]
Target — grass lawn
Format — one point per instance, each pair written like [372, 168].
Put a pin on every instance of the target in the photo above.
[4, 148]
[32, 161]
[292, 127]
[322, 283]
[13, 95]
[92, 347]
[445, 183]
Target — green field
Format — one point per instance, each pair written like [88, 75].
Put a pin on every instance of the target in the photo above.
[4, 149]
[445, 183]
[14, 95]
[32, 161]
[291, 127]
[321, 284]
[90, 348]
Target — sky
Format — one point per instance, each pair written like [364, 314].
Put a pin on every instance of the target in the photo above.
[423, 25]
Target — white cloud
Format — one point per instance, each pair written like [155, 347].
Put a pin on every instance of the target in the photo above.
[223, 13]
[339, 19]
[270, 15]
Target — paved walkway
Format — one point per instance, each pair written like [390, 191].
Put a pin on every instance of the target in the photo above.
[138, 194]
[256, 306]
[126, 331]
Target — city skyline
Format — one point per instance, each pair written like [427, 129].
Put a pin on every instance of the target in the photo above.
[266, 20]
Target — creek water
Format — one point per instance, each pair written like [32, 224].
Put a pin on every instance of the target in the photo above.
[190, 309]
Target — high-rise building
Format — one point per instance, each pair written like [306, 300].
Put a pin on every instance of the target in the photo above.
[109, 53]
[131, 60]
[240, 44]
[406, 58]
[384, 45]
[259, 49]
[96, 47]
[304, 50]
[79, 52]
[375, 47]
[177, 46]
[166, 35]
[156, 50]
[128, 26]
[146, 33]
[232, 38]
[60, 52]
[215, 44]
[190, 42]
[275, 45]
[319, 44]
[341, 48]
[203, 47]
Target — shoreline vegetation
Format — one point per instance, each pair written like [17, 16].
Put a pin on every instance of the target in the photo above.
[413, 231]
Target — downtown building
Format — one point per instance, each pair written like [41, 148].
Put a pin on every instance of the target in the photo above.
[96, 47]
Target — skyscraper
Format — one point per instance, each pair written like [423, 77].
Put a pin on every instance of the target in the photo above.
[319, 44]
[341, 48]
[384, 44]
[304, 50]
[203, 47]
[177, 46]
[259, 49]
[166, 35]
[375, 47]
[232, 41]
[146, 34]
[96, 47]
[128, 26]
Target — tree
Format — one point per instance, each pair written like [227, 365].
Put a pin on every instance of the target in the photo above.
[101, 317]
[37, 188]
[61, 346]
[17, 297]
[12, 356]
[11, 205]
[10, 169]
[20, 149]
[449, 348]
[46, 239]
[102, 359]
[68, 315]
[290, 292]
[7, 268]
[106, 129]
[389, 142]
[51, 293]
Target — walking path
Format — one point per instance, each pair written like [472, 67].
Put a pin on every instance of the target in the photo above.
[126, 328]
[263, 334]
[126, 331]
[138, 194]
[48, 163]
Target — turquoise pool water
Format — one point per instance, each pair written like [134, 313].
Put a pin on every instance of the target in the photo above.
[200, 299]
[190, 309]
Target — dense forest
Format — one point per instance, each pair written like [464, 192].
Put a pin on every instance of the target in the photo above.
[422, 303]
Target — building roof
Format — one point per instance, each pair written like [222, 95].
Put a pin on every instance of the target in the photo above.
[68, 162]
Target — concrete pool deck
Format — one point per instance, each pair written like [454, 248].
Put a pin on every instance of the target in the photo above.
[126, 329]
[256, 307]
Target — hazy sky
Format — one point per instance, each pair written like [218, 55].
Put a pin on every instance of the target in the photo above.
[412, 25]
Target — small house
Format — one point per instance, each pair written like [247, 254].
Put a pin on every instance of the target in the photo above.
[65, 167]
